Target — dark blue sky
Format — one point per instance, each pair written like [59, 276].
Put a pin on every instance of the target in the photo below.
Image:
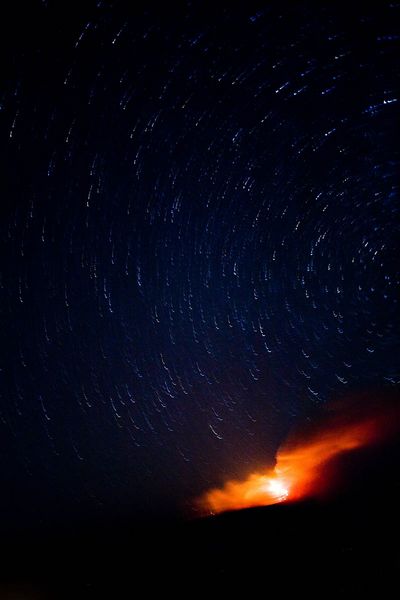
[199, 210]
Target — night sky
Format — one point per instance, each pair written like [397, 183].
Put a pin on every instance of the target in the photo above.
[198, 221]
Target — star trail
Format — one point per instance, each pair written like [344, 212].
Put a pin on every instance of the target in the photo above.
[199, 241]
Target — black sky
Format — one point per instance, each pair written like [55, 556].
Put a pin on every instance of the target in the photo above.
[198, 228]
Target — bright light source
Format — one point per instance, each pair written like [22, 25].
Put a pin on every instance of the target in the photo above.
[277, 488]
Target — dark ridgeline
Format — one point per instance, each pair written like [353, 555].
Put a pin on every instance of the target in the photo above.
[344, 544]
[198, 246]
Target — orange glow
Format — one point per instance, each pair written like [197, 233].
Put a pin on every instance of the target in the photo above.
[300, 463]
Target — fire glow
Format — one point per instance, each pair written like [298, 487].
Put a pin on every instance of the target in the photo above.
[301, 463]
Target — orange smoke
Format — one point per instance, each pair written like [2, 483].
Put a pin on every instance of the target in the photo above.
[301, 462]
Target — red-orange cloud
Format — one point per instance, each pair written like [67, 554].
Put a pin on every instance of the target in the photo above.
[301, 460]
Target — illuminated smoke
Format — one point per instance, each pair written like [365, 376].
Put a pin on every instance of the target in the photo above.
[300, 470]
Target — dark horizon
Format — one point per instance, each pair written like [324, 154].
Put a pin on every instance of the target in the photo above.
[199, 226]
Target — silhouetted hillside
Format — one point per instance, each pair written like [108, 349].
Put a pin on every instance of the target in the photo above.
[345, 543]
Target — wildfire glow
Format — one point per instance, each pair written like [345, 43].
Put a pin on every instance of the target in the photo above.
[300, 464]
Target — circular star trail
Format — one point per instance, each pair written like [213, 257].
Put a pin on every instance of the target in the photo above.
[198, 232]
